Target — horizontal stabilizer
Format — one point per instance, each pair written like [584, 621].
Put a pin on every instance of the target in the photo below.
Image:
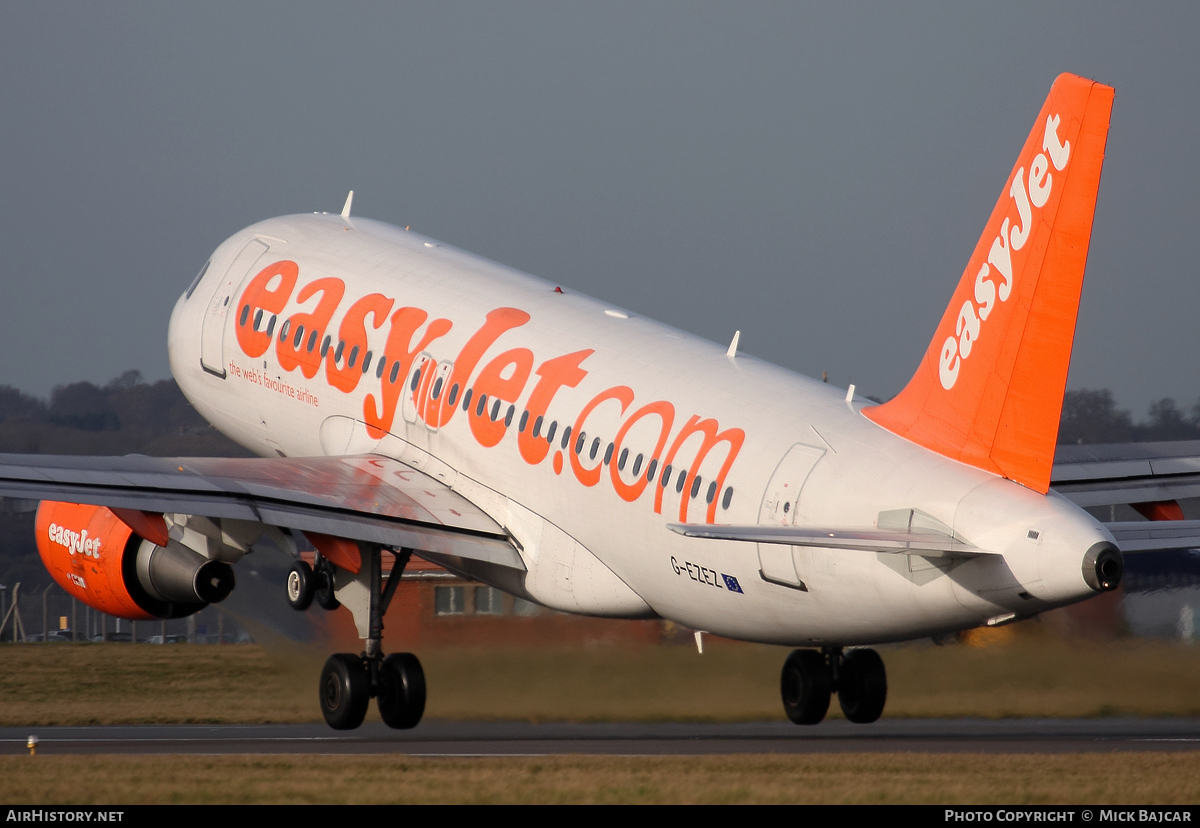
[914, 542]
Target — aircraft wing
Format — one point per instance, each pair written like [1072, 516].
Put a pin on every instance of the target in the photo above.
[363, 498]
[1155, 536]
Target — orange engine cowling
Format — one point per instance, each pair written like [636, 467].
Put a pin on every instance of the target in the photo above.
[97, 558]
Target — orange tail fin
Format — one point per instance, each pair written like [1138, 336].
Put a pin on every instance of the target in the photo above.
[989, 390]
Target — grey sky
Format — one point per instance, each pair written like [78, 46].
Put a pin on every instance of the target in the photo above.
[813, 175]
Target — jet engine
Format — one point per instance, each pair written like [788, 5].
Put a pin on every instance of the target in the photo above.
[99, 559]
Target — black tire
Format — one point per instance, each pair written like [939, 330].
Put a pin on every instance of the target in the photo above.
[862, 686]
[401, 692]
[805, 687]
[345, 691]
[323, 591]
[300, 582]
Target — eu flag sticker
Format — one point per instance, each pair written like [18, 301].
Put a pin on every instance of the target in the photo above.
[731, 583]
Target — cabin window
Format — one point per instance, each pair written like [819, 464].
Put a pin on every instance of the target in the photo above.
[337, 354]
[395, 371]
[453, 398]
[353, 357]
[245, 315]
[481, 405]
[728, 496]
[580, 441]
[466, 403]
[437, 387]
[681, 481]
[608, 454]
[666, 476]
[325, 343]
[637, 465]
[650, 470]
[258, 315]
[624, 457]
[695, 486]
[508, 418]
[595, 448]
[366, 362]
[524, 420]
[283, 330]
[312, 340]
[495, 410]
[712, 492]
[537, 428]
[298, 338]
[271, 325]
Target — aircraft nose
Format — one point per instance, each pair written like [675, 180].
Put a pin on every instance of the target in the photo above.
[1103, 566]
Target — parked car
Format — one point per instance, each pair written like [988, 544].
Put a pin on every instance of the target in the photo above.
[52, 637]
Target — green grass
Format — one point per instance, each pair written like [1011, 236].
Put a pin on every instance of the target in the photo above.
[1024, 675]
[966, 779]
[1027, 673]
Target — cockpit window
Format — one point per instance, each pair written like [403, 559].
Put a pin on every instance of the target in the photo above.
[192, 287]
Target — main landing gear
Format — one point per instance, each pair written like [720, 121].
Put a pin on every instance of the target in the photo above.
[348, 681]
[810, 678]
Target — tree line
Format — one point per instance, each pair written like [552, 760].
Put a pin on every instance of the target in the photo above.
[1093, 417]
[124, 416]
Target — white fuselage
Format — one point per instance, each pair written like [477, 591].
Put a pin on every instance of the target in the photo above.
[766, 445]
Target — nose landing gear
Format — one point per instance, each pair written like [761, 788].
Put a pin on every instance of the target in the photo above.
[301, 583]
[810, 678]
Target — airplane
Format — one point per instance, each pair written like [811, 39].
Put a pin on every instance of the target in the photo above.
[408, 398]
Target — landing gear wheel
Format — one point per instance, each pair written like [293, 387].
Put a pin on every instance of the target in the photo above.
[805, 687]
[401, 692]
[324, 590]
[862, 686]
[300, 583]
[345, 691]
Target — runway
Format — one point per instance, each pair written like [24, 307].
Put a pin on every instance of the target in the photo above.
[457, 738]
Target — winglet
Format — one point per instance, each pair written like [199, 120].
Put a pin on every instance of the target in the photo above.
[346, 207]
[732, 352]
[989, 390]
